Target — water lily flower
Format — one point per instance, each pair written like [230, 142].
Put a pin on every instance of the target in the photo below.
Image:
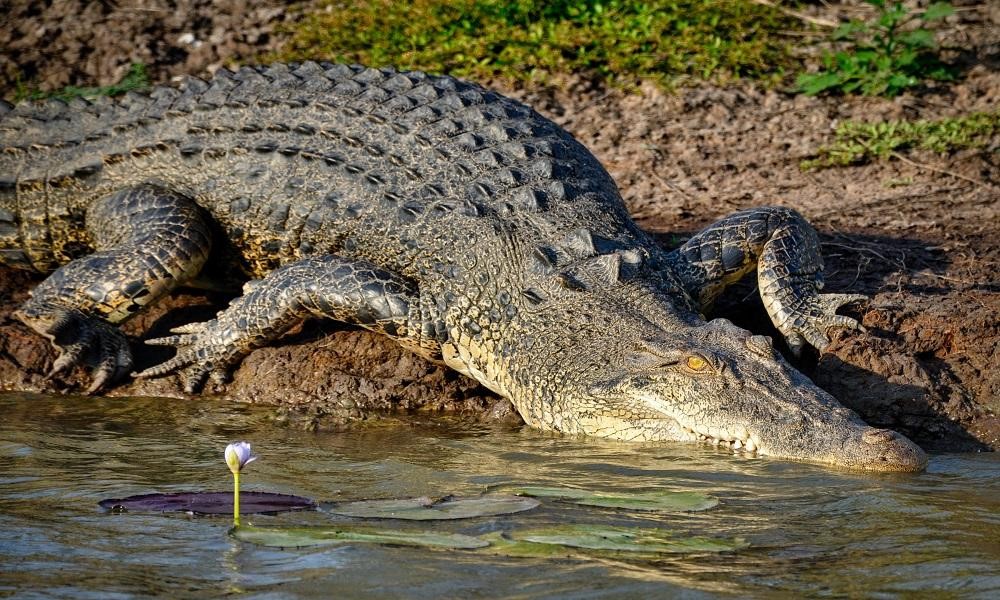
[238, 455]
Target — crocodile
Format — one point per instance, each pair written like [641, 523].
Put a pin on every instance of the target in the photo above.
[457, 221]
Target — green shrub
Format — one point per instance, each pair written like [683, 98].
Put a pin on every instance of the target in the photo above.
[615, 40]
[882, 57]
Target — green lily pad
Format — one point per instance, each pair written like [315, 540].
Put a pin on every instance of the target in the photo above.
[623, 539]
[650, 501]
[428, 509]
[294, 537]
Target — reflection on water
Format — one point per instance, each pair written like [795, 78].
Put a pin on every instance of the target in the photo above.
[812, 530]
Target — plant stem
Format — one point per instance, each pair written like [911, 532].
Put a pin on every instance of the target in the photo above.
[236, 499]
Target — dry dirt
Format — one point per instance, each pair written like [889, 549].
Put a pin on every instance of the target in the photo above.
[919, 235]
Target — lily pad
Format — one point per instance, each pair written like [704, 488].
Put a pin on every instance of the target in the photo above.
[209, 503]
[294, 537]
[650, 501]
[624, 539]
[428, 509]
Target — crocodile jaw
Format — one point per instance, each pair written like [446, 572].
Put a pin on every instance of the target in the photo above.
[839, 438]
[864, 449]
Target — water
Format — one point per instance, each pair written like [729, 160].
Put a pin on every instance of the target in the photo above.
[813, 531]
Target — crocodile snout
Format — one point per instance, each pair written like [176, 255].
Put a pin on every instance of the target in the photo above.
[894, 451]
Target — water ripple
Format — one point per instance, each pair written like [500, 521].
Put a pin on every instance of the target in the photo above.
[813, 531]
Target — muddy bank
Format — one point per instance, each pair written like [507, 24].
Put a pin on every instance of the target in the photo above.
[54, 43]
[918, 236]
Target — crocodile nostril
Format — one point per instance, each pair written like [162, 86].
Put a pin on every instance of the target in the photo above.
[878, 436]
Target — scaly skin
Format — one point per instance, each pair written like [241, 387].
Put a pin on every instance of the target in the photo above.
[459, 222]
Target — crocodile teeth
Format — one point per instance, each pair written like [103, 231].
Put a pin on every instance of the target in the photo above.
[743, 443]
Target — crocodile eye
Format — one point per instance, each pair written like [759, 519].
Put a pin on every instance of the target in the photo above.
[696, 363]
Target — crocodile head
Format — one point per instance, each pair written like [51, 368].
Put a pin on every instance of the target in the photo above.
[719, 383]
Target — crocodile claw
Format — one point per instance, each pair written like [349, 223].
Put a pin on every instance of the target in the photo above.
[197, 358]
[81, 340]
[810, 322]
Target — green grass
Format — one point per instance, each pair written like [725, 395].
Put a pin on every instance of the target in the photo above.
[618, 41]
[857, 143]
[136, 79]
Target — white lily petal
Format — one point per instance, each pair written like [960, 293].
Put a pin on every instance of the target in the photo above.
[239, 455]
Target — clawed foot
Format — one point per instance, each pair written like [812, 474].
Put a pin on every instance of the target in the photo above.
[81, 339]
[204, 350]
[812, 318]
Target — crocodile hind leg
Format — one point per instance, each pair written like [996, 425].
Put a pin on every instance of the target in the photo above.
[323, 286]
[784, 250]
[148, 241]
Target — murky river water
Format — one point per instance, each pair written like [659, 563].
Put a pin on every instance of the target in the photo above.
[812, 531]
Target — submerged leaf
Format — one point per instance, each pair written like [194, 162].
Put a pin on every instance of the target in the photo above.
[289, 537]
[209, 503]
[427, 509]
[650, 501]
[623, 539]
[503, 545]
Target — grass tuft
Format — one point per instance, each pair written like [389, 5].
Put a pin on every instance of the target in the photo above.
[135, 80]
[857, 143]
[618, 41]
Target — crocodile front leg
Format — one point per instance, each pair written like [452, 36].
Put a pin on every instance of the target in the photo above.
[324, 286]
[148, 240]
[783, 248]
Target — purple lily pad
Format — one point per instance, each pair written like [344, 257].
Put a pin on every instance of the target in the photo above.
[209, 503]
